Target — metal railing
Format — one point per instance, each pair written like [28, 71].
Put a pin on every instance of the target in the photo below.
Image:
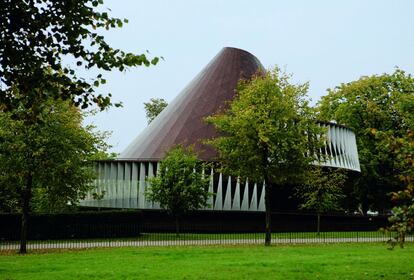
[190, 234]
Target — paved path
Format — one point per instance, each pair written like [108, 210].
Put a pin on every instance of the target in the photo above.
[147, 243]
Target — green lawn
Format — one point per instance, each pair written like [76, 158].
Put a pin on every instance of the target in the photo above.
[334, 261]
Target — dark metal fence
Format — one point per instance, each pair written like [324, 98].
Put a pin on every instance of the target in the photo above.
[120, 229]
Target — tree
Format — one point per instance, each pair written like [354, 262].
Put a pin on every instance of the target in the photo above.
[54, 155]
[402, 147]
[370, 104]
[37, 36]
[179, 185]
[154, 107]
[322, 191]
[268, 133]
[402, 219]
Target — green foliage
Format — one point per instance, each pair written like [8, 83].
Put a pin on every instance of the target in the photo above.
[37, 36]
[179, 185]
[268, 133]
[268, 130]
[402, 219]
[322, 190]
[56, 153]
[381, 104]
[154, 107]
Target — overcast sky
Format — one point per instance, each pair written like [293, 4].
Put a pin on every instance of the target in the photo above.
[323, 42]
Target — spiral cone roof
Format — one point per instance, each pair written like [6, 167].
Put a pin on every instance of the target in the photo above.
[182, 121]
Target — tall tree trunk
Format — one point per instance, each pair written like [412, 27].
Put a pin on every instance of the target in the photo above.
[319, 224]
[268, 231]
[177, 226]
[265, 163]
[26, 195]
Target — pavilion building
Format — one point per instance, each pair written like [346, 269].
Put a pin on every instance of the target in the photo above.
[123, 181]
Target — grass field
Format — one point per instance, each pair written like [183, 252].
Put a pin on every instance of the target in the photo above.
[334, 261]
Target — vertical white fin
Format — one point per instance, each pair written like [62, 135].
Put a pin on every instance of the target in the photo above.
[156, 205]
[127, 185]
[210, 200]
[112, 188]
[262, 199]
[119, 185]
[245, 201]
[218, 205]
[236, 198]
[253, 203]
[227, 197]
[134, 185]
[141, 190]
[107, 183]
[149, 204]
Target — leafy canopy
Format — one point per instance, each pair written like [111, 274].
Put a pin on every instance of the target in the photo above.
[402, 219]
[268, 134]
[322, 190]
[154, 107]
[269, 131]
[179, 185]
[375, 104]
[38, 36]
[56, 153]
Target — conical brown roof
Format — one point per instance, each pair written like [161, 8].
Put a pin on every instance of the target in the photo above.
[181, 122]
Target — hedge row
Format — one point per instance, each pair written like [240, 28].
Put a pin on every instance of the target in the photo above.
[73, 225]
[131, 223]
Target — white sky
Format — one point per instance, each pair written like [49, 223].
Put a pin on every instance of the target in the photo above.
[323, 42]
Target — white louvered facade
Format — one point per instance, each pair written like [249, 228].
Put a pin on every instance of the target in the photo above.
[124, 182]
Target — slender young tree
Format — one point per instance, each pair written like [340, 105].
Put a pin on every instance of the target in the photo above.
[268, 134]
[322, 191]
[402, 147]
[180, 185]
[402, 219]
